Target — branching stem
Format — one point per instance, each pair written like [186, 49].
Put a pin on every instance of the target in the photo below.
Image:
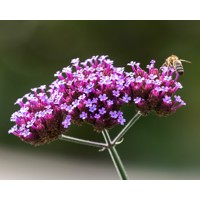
[126, 128]
[114, 156]
[81, 141]
[109, 145]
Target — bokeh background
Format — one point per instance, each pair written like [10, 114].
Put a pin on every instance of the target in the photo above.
[155, 148]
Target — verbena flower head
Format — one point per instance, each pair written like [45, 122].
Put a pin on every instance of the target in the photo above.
[155, 90]
[94, 91]
[91, 90]
[39, 120]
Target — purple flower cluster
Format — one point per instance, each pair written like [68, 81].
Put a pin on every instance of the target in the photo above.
[38, 121]
[154, 91]
[94, 91]
[88, 93]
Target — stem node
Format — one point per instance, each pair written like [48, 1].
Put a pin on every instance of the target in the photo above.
[114, 156]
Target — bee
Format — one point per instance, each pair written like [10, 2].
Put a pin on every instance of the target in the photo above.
[176, 63]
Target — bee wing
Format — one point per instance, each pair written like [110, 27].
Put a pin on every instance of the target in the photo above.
[185, 61]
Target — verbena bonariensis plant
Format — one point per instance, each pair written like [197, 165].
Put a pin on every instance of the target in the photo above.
[94, 91]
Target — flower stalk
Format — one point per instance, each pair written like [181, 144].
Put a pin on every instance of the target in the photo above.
[127, 127]
[114, 156]
[83, 142]
[109, 145]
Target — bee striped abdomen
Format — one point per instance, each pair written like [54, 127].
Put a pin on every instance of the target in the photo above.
[179, 68]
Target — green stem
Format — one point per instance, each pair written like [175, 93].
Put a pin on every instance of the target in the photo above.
[127, 127]
[114, 156]
[84, 142]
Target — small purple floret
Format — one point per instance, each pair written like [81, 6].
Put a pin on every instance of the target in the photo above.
[92, 108]
[121, 120]
[113, 114]
[116, 93]
[102, 111]
[137, 100]
[67, 122]
[126, 98]
[167, 99]
[97, 116]
[83, 115]
[103, 97]
[110, 102]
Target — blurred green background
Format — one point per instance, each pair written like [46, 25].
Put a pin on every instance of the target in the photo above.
[155, 148]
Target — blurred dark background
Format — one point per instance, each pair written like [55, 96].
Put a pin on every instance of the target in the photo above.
[155, 148]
